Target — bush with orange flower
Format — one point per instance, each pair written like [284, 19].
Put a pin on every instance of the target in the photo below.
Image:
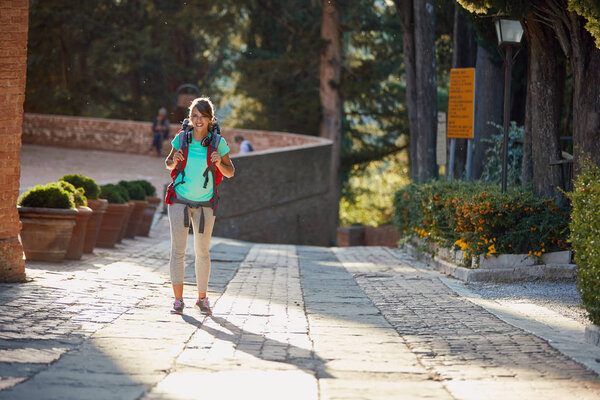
[478, 219]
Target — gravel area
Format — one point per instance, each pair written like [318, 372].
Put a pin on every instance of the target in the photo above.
[561, 297]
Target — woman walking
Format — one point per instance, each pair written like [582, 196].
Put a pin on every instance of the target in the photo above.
[194, 189]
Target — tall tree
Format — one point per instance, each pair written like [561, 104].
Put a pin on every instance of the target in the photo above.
[546, 77]
[330, 73]
[464, 53]
[575, 24]
[418, 27]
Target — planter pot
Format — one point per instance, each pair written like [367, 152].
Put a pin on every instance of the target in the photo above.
[148, 217]
[126, 221]
[385, 235]
[350, 236]
[139, 206]
[93, 226]
[112, 224]
[75, 249]
[46, 232]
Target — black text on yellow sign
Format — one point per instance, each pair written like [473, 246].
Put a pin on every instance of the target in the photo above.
[461, 103]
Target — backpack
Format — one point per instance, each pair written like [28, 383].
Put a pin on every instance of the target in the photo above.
[184, 136]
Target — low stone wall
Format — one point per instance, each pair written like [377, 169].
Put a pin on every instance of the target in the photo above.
[280, 192]
[132, 136]
[279, 196]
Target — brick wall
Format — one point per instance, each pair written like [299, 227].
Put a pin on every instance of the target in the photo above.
[131, 136]
[13, 68]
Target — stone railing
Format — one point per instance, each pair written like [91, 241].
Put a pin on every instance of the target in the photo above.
[280, 192]
[132, 136]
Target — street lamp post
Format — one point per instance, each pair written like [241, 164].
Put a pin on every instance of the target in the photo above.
[509, 37]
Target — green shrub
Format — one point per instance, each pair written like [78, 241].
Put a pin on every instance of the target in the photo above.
[90, 187]
[78, 197]
[585, 231]
[51, 195]
[492, 170]
[479, 219]
[147, 186]
[114, 193]
[135, 190]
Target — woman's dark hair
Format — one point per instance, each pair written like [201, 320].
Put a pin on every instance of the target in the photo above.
[206, 108]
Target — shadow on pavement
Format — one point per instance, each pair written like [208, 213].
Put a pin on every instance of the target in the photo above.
[306, 360]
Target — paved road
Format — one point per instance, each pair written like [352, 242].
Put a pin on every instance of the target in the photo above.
[289, 322]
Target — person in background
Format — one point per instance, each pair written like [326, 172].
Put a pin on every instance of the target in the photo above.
[160, 129]
[245, 146]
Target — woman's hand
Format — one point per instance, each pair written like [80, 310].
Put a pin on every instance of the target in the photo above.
[178, 156]
[215, 158]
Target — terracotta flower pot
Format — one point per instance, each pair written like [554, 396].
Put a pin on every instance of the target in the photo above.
[112, 224]
[139, 206]
[148, 217]
[93, 226]
[75, 249]
[46, 232]
[126, 222]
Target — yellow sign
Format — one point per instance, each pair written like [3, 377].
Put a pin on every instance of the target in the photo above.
[461, 103]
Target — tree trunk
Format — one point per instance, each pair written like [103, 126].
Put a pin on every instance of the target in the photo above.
[406, 15]
[489, 86]
[585, 59]
[464, 51]
[546, 70]
[527, 162]
[426, 90]
[330, 72]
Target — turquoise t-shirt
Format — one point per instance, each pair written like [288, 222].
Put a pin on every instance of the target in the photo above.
[193, 186]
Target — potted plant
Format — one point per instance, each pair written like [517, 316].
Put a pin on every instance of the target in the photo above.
[91, 191]
[114, 217]
[153, 203]
[47, 213]
[137, 194]
[75, 249]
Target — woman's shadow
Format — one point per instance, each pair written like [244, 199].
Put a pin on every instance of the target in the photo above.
[305, 359]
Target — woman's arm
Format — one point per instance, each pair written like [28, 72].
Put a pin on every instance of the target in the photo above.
[173, 159]
[223, 163]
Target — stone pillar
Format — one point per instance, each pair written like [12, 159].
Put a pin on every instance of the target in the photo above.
[14, 20]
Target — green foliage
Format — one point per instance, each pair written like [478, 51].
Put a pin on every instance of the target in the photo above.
[89, 186]
[78, 194]
[585, 234]
[479, 219]
[135, 190]
[276, 83]
[149, 189]
[492, 170]
[375, 118]
[590, 10]
[124, 59]
[115, 194]
[369, 192]
[51, 195]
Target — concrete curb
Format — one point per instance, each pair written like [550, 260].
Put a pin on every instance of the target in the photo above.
[550, 272]
[592, 334]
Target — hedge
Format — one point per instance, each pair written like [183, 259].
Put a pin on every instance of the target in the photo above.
[51, 195]
[585, 236]
[479, 219]
[90, 187]
[114, 193]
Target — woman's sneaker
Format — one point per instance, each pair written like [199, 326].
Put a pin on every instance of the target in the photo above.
[178, 307]
[204, 306]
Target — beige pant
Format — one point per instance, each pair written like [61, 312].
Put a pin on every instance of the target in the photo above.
[179, 236]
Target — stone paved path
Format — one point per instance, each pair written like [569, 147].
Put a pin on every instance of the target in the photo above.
[290, 322]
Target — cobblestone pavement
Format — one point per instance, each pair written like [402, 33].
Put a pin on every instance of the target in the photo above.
[292, 322]
[473, 352]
